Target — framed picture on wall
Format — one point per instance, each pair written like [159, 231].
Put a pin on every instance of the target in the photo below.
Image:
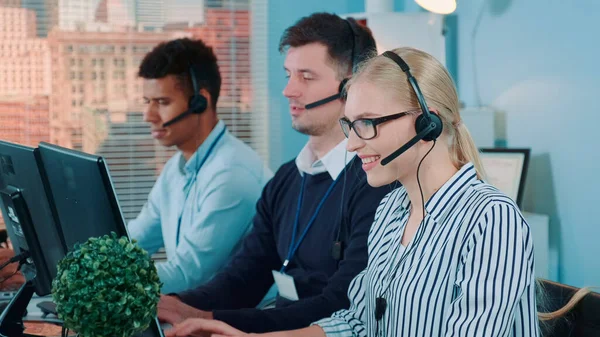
[506, 169]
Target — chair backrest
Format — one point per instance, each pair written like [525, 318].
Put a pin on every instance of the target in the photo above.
[582, 321]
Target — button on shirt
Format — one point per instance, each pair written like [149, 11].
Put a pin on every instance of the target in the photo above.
[199, 210]
[468, 271]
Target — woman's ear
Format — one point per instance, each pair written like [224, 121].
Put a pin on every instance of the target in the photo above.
[435, 111]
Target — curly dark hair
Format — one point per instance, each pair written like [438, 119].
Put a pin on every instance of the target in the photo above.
[348, 43]
[176, 57]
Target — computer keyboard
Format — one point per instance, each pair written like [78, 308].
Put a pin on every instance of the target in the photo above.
[7, 295]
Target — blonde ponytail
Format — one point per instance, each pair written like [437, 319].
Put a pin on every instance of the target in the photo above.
[463, 149]
[542, 299]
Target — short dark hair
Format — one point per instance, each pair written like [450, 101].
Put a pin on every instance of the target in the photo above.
[341, 40]
[175, 57]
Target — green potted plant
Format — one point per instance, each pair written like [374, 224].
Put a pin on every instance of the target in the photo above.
[106, 287]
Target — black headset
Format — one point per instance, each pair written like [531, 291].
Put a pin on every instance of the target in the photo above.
[197, 103]
[355, 58]
[428, 125]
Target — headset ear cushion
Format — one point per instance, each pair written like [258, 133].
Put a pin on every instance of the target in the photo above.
[342, 89]
[198, 104]
[422, 122]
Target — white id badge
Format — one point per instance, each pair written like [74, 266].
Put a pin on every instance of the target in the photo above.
[286, 286]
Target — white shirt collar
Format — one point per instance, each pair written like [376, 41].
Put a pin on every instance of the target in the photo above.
[332, 162]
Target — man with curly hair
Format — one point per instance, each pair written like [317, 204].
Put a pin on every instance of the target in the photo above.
[204, 200]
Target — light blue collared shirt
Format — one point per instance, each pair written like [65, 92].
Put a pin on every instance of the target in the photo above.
[200, 210]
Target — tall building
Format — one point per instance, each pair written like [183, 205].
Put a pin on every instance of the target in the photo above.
[17, 23]
[72, 14]
[10, 3]
[150, 14]
[24, 58]
[46, 13]
[114, 13]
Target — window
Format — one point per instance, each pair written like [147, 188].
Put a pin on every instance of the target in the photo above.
[134, 158]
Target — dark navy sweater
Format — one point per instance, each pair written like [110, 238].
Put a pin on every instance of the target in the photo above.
[321, 281]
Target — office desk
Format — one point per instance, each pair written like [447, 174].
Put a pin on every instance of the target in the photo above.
[36, 324]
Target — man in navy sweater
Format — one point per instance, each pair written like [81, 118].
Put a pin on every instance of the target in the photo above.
[313, 218]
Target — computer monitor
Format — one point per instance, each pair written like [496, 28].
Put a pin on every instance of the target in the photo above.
[31, 226]
[81, 187]
[29, 214]
[85, 199]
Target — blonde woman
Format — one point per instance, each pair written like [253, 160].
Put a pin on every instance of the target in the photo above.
[449, 255]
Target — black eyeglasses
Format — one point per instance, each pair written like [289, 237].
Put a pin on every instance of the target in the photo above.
[366, 128]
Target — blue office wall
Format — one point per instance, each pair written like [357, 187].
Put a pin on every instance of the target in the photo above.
[536, 61]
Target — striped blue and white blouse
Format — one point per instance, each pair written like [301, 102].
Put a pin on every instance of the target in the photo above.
[468, 271]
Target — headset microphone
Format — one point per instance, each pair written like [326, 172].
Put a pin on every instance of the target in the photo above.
[409, 144]
[428, 125]
[330, 98]
[197, 103]
[177, 119]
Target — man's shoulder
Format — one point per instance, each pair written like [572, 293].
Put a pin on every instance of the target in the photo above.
[284, 174]
[238, 158]
[287, 168]
[236, 150]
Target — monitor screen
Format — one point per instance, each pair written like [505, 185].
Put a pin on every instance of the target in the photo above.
[29, 214]
[85, 201]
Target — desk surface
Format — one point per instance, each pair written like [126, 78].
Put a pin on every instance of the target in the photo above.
[34, 322]
[43, 329]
